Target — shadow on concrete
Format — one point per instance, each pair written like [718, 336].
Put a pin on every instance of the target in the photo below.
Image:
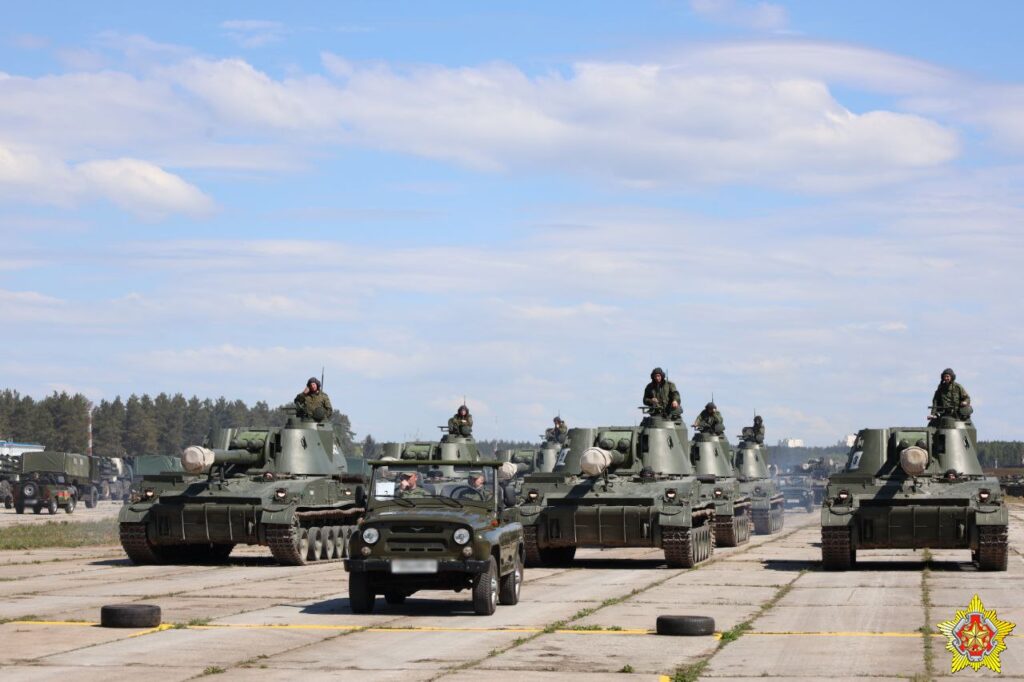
[866, 565]
[230, 562]
[413, 606]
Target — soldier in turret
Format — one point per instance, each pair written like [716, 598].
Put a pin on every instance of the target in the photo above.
[313, 403]
[950, 398]
[661, 395]
[758, 430]
[558, 432]
[710, 420]
[461, 424]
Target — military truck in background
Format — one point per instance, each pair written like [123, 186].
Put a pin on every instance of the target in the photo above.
[619, 486]
[283, 488]
[52, 480]
[10, 470]
[914, 487]
[804, 484]
[443, 533]
[712, 461]
[750, 462]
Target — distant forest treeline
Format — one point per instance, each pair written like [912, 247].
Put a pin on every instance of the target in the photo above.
[139, 425]
[166, 424]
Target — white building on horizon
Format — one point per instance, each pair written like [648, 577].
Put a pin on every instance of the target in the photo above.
[791, 443]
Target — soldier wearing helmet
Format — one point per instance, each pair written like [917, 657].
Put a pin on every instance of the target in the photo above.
[950, 398]
[558, 432]
[461, 424]
[661, 395]
[758, 429]
[313, 403]
[710, 420]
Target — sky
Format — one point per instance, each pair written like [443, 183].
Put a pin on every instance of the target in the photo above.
[803, 209]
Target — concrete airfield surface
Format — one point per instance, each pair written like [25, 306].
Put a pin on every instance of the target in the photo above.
[102, 510]
[253, 620]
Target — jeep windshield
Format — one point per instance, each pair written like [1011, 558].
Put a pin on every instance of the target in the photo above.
[427, 483]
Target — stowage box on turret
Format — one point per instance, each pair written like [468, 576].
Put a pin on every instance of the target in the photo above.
[914, 487]
[619, 486]
[285, 488]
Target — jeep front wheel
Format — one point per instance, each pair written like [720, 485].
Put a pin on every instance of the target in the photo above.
[485, 590]
[511, 584]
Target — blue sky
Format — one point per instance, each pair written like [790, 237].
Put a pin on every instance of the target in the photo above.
[806, 208]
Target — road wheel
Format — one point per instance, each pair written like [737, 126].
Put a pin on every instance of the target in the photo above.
[130, 616]
[687, 626]
[70, 506]
[340, 542]
[51, 506]
[360, 593]
[329, 539]
[511, 584]
[315, 544]
[485, 590]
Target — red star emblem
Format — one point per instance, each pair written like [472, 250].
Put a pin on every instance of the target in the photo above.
[974, 638]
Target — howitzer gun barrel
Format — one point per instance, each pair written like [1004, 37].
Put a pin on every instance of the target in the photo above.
[595, 461]
[197, 459]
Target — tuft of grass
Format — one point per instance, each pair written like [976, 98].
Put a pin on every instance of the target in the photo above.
[626, 668]
[213, 670]
[926, 629]
[198, 622]
[689, 673]
[13, 620]
[59, 534]
[735, 632]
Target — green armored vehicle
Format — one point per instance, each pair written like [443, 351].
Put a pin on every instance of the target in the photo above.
[767, 501]
[437, 525]
[619, 486]
[153, 474]
[914, 487]
[712, 461]
[797, 490]
[49, 480]
[281, 487]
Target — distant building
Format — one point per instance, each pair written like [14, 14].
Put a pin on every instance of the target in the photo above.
[791, 443]
[849, 440]
[8, 447]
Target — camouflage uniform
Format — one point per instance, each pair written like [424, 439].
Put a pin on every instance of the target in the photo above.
[557, 433]
[461, 424]
[314, 406]
[710, 421]
[661, 396]
[758, 428]
[950, 400]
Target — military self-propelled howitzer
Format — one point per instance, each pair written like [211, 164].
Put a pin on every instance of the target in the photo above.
[619, 486]
[914, 487]
[751, 466]
[712, 461]
[282, 487]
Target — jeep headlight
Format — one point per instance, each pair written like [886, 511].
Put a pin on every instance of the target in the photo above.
[371, 535]
[461, 536]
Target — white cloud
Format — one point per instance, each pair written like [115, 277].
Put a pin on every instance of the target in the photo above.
[761, 16]
[144, 188]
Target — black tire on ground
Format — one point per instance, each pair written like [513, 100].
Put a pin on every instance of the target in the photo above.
[130, 616]
[360, 593]
[485, 590]
[38, 509]
[394, 598]
[8, 502]
[19, 509]
[90, 498]
[510, 585]
[686, 626]
[70, 506]
[51, 506]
